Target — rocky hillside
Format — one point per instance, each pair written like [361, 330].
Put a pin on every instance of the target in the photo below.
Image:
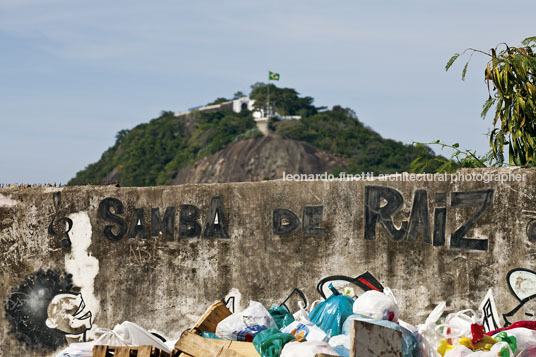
[262, 158]
[224, 146]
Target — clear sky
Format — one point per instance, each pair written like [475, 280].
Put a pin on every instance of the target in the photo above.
[74, 73]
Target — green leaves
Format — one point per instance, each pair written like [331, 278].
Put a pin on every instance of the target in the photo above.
[528, 40]
[510, 79]
[486, 107]
[464, 72]
[451, 61]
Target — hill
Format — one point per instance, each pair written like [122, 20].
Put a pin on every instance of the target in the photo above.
[262, 158]
[224, 146]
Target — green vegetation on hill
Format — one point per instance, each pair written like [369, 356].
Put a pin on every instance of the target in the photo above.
[339, 132]
[152, 153]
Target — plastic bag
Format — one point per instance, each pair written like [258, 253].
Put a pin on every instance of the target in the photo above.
[81, 349]
[458, 325]
[255, 314]
[499, 349]
[129, 334]
[247, 334]
[377, 305]
[427, 336]
[410, 346]
[529, 352]
[525, 338]
[330, 314]
[341, 345]
[302, 315]
[309, 331]
[307, 349]
[511, 340]
[269, 343]
[281, 316]
[211, 335]
[458, 351]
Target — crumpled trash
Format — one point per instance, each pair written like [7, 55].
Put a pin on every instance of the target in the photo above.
[124, 334]
[500, 349]
[79, 349]
[307, 349]
[330, 314]
[247, 334]
[255, 314]
[525, 338]
[376, 305]
[458, 325]
[269, 343]
[129, 334]
[282, 316]
[341, 345]
[309, 331]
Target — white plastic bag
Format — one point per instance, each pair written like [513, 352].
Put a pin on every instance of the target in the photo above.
[427, 335]
[525, 338]
[307, 349]
[459, 351]
[377, 305]
[302, 326]
[462, 351]
[309, 331]
[79, 349]
[129, 334]
[302, 315]
[458, 325]
[341, 345]
[255, 314]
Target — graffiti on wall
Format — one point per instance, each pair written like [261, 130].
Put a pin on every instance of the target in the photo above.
[522, 285]
[382, 203]
[45, 309]
[60, 226]
[111, 210]
[365, 282]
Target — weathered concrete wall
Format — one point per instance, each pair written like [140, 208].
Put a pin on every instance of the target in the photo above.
[165, 283]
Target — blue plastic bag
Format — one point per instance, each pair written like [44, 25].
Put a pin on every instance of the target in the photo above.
[211, 335]
[410, 346]
[248, 333]
[330, 314]
[281, 316]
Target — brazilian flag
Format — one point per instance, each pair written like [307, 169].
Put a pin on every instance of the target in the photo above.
[273, 76]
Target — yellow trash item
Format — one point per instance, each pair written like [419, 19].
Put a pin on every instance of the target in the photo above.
[484, 344]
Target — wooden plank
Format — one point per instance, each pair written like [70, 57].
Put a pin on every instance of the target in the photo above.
[139, 351]
[146, 351]
[198, 346]
[100, 351]
[120, 351]
[370, 340]
[212, 317]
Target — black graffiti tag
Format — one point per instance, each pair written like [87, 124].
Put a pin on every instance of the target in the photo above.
[64, 222]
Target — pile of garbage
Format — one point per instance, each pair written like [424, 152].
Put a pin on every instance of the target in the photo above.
[329, 328]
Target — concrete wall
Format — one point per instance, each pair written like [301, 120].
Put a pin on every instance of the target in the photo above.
[118, 250]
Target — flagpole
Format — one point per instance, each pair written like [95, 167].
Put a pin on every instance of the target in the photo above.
[268, 105]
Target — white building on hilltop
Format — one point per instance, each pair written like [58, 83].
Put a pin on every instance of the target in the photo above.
[237, 105]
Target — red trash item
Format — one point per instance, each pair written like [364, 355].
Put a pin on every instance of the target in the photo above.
[531, 325]
[477, 331]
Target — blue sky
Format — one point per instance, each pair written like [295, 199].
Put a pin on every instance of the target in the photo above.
[74, 73]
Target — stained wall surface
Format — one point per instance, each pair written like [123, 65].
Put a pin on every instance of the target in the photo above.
[160, 256]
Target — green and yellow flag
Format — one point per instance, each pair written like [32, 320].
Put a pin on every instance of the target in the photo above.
[273, 76]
